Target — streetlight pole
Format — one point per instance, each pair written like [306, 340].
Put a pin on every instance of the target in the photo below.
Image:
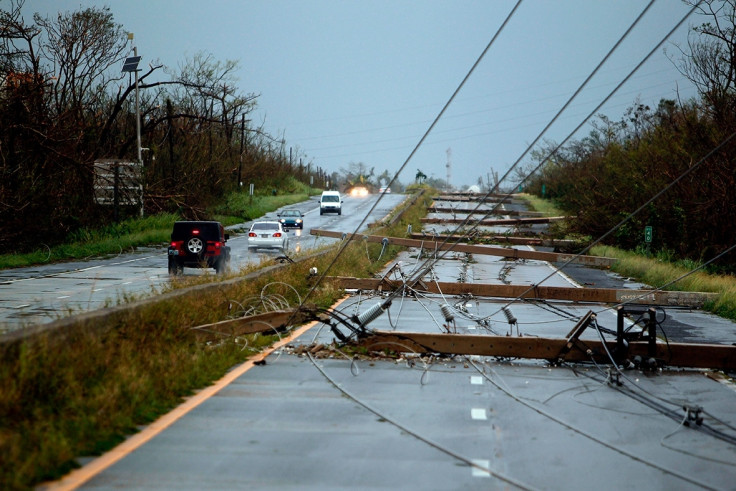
[242, 145]
[131, 65]
[137, 112]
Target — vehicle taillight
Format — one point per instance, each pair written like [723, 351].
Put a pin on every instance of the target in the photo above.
[213, 247]
[277, 234]
[252, 234]
[177, 244]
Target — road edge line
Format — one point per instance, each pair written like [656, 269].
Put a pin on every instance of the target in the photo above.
[80, 476]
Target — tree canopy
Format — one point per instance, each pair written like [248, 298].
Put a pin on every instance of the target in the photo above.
[682, 153]
[65, 104]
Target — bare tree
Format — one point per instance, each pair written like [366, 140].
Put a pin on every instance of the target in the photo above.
[710, 61]
[64, 103]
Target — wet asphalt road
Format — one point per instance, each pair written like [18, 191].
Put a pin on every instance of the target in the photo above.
[45, 293]
[334, 422]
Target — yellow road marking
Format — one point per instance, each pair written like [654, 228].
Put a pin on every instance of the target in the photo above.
[80, 476]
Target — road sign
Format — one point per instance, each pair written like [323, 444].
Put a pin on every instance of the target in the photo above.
[648, 234]
[118, 182]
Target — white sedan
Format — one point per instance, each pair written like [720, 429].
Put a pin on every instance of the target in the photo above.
[267, 235]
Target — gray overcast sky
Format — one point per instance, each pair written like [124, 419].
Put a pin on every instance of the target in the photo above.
[361, 81]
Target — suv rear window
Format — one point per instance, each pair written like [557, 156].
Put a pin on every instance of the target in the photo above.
[265, 226]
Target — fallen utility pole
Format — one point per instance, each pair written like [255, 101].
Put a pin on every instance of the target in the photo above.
[570, 349]
[534, 241]
[501, 221]
[493, 197]
[595, 261]
[714, 356]
[496, 198]
[596, 295]
[476, 211]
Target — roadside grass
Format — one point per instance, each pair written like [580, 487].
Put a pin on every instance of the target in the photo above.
[657, 272]
[660, 270]
[78, 391]
[113, 239]
[240, 207]
[559, 230]
[545, 206]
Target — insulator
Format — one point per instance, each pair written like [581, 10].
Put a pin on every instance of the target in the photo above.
[447, 313]
[370, 315]
[509, 316]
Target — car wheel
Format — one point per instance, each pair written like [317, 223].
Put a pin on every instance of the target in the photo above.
[195, 245]
[221, 265]
[339, 212]
[321, 211]
[174, 267]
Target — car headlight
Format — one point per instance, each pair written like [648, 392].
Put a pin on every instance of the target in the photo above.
[298, 220]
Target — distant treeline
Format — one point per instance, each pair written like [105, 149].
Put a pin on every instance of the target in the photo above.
[619, 166]
[65, 103]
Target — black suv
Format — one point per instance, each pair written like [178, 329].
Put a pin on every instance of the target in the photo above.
[198, 245]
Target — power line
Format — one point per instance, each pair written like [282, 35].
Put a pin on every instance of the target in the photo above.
[416, 147]
[652, 199]
[626, 33]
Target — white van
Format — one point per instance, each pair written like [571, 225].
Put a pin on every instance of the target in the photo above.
[330, 202]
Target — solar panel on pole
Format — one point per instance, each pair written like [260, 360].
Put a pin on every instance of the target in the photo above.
[131, 64]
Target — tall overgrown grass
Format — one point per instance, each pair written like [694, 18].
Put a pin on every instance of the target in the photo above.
[79, 391]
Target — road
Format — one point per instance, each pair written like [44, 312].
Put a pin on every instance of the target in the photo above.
[464, 422]
[45, 293]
